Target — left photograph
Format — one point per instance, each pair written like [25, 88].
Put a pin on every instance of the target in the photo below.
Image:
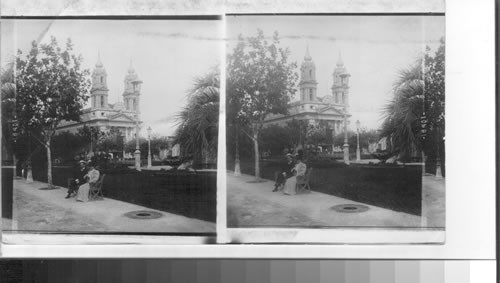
[110, 126]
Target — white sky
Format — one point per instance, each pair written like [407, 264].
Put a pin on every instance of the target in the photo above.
[373, 49]
[166, 54]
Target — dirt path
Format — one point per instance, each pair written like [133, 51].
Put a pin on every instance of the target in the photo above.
[48, 210]
[255, 205]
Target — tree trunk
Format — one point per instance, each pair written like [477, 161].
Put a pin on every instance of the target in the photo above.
[49, 165]
[257, 155]
[237, 168]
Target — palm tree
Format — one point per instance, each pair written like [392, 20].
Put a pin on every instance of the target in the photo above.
[8, 89]
[414, 118]
[404, 113]
[197, 130]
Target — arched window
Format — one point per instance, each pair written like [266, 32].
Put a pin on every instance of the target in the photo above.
[310, 73]
[135, 106]
[102, 80]
[102, 101]
[93, 102]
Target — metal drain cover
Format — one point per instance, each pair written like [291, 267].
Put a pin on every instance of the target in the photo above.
[143, 214]
[350, 208]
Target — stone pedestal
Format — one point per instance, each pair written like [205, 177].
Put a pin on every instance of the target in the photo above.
[346, 154]
[137, 155]
[29, 176]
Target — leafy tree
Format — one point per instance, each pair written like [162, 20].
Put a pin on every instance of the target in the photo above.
[415, 118]
[66, 145]
[51, 87]
[260, 81]
[157, 143]
[197, 132]
[92, 136]
[275, 138]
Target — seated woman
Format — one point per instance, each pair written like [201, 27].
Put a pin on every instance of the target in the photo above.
[300, 171]
[91, 177]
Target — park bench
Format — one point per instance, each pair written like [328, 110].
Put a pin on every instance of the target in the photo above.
[303, 183]
[96, 189]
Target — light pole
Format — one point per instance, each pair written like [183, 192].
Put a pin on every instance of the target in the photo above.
[149, 147]
[358, 153]
[346, 142]
[137, 152]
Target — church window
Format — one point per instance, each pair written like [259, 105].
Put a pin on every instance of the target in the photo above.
[102, 101]
[94, 102]
[102, 80]
[135, 106]
[310, 73]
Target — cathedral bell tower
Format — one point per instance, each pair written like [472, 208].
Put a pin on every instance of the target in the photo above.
[307, 84]
[340, 87]
[132, 91]
[99, 90]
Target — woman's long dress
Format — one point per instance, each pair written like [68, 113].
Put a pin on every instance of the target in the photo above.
[291, 183]
[83, 191]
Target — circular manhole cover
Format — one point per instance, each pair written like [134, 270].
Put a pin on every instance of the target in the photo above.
[350, 208]
[143, 214]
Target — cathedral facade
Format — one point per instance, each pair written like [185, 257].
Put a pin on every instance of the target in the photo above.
[122, 115]
[327, 111]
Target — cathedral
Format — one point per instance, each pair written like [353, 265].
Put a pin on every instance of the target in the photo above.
[327, 111]
[122, 115]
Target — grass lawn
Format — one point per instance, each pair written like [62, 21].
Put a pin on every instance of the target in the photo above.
[398, 188]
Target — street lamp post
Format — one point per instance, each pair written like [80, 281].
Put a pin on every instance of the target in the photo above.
[149, 147]
[346, 142]
[358, 153]
[137, 152]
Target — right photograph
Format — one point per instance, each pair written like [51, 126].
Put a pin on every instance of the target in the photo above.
[335, 121]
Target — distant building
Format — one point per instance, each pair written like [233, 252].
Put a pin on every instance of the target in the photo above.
[122, 115]
[327, 111]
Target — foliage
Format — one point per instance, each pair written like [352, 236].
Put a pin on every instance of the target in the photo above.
[51, 87]
[197, 130]
[275, 138]
[157, 143]
[66, 145]
[415, 118]
[92, 136]
[260, 81]
[8, 90]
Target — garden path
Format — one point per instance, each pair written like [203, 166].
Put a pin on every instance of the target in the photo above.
[253, 204]
[48, 210]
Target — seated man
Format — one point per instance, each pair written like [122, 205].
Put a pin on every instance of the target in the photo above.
[285, 173]
[78, 178]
